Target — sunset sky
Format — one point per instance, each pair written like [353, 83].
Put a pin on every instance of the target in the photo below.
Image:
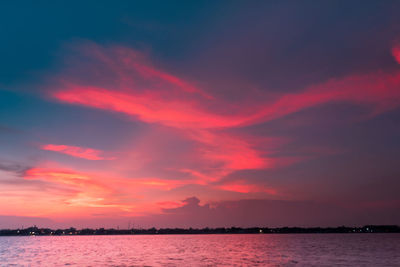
[199, 113]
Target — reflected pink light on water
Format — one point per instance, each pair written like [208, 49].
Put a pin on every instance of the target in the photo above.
[204, 250]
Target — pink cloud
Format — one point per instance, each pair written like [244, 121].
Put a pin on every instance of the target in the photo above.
[100, 181]
[130, 85]
[376, 90]
[226, 153]
[396, 53]
[74, 151]
[90, 191]
[100, 190]
[170, 204]
[149, 107]
[154, 96]
[244, 187]
[65, 176]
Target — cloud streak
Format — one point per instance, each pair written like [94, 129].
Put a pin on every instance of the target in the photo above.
[144, 93]
[121, 80]
[396, 52]
[154, 96]
[75, 151]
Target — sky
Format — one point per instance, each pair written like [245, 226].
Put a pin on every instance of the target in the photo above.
[199, 113]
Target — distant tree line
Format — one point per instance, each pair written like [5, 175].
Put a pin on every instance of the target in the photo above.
[177, 231]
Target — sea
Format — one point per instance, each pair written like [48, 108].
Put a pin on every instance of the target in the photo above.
[203, 250]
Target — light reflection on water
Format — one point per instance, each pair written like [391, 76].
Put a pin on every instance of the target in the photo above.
[203, 250]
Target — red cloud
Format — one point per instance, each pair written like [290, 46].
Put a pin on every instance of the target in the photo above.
[396, 53]
[162, 184]
[150, 107]
[243, 187]
[226, 153]
[170, 204]
[377, 90]
[148, 71]
[133, 87]
[79, 152]
[155, 96]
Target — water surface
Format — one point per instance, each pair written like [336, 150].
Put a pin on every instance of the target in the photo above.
[203, 250]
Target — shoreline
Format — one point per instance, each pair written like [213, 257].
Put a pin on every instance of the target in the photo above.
[35, 231]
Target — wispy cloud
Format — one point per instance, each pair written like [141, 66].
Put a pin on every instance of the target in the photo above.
[75, 151]
[119, 79]
[154, 96]
[396, 52]
[139, 90]
[99, 190]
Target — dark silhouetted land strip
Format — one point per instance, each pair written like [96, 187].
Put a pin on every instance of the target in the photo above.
[177, 231]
